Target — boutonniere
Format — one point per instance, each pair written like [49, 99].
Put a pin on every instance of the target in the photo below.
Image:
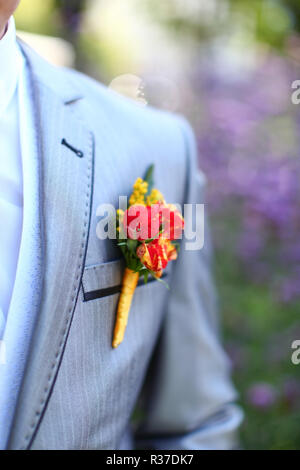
[146, 234]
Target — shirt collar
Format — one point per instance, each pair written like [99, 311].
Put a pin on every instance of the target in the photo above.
[10, 65]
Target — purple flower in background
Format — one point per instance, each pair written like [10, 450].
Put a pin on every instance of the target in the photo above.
[248, 141]
[290, 288]
[238, 355]
[262, 395]
[291, 393]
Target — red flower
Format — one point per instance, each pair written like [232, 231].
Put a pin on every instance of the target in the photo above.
[145, 222]
[172, 222]
[156, 255]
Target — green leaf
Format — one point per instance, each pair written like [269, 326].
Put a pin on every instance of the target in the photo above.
[132, 245]
[177, 245]
[149, 179]
[159, 280]
[146, 275]
[122, 243]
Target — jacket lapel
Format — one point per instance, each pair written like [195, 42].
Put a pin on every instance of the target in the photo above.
[66, 155]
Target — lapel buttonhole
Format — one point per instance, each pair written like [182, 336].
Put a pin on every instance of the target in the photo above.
[77, 152]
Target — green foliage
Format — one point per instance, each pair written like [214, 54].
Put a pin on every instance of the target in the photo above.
[35, 16]
[269, 21]
[128, 248]
[149, 179]
[260, 330]
[272, 21]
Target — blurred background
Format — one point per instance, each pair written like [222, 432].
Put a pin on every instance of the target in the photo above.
[227, 65]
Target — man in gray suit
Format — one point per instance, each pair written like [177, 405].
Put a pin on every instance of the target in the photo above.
[68, 145]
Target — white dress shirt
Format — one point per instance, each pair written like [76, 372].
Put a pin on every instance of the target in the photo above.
[11, 174]
[20, 235]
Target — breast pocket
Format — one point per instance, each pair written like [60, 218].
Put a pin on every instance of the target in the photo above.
[102, 280]
[101, 287]
[105, 280]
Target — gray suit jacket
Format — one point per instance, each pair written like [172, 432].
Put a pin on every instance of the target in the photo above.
[77, 392]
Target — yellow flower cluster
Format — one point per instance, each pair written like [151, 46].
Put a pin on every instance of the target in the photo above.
[140, 189]
[120, 215]
[154, 197]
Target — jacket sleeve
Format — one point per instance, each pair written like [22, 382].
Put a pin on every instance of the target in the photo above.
[188, 395]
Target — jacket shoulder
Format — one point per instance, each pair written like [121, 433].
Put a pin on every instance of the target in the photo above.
[129, 114]
[150, 127]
